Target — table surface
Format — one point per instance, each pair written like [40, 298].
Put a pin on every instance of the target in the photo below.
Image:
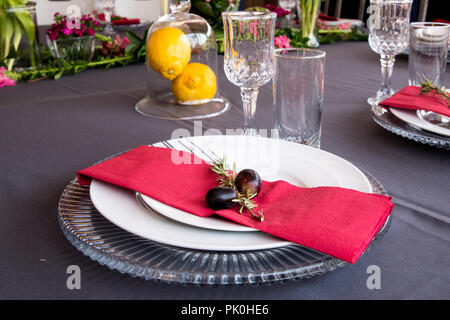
[50, 129]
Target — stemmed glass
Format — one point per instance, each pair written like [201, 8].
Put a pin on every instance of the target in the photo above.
[107, 8]
[388, 25]
[249, 56]
[288, 5]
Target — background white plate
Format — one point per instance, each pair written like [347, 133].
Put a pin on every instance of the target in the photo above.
[410, 116]
[297, 164]
[120, 207]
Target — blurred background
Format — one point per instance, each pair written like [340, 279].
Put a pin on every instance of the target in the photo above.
[423, 10]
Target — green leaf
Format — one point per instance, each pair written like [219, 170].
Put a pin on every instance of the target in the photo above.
[27, 24]
[133, 38]
[7, 33]
[204, 8]
[58, 75]
[12, 54]
[17, 34]
[103, 38]
[131, 48]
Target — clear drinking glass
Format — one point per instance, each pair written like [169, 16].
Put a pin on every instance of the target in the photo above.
[249, 56]
[288, 5]
[298, 95]
[388, 25]
[107, 8]
[428, 49]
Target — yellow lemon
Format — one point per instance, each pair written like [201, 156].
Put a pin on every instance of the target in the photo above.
[168, 52]
[196, 85]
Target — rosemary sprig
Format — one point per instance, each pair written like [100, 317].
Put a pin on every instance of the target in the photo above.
[226, 179]
[428, 86]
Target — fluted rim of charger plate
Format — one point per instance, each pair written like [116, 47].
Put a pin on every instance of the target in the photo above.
[102, 241]
[388, 121]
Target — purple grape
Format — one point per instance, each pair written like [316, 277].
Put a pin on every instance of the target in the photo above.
[248, 182]
[221, 198]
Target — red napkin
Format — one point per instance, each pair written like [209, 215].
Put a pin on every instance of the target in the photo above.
[411, 98]
[328, 18]
[336, 221]
[125, 21]
[118, 20]
[441, 20]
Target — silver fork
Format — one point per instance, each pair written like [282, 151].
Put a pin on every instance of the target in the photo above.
[212, 157]
[207, 153]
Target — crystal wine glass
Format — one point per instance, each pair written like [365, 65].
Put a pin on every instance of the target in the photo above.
[388, 25]
[288, 5]
[107, 8]
[249, 56]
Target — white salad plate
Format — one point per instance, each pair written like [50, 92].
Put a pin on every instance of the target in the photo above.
[273, 159]
[278, 160]
[412, 117]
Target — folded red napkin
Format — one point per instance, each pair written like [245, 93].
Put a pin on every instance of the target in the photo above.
[325, 17]
[118, 20]
[336, 221]
[125, 21]
[411, 98]
[441, 20]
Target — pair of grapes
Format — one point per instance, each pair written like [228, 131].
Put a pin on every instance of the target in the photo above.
[247, 182]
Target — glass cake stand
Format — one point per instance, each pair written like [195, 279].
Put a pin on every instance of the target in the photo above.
[179, 44]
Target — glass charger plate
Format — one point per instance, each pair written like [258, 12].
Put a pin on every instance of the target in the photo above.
[106, 243]
[390, 122]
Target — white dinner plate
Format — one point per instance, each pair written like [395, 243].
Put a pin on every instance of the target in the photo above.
[298, 164]
[411, 117]
[120, 207]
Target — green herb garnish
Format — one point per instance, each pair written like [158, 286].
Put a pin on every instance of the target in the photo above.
[429, 86]
[226, 179]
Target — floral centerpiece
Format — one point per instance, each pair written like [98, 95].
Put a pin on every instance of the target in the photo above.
[309, 17]
[18, 34]
[212, 10]
[73, 39]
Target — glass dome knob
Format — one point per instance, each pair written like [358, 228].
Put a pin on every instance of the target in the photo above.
[177, 6]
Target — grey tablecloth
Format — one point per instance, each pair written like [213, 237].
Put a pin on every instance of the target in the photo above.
[50, 129]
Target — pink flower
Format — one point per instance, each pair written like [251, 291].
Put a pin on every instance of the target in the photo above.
[67, 31]
[121, 42]
[4, 79]
[282, 42]
[345, 26]
[279, 11]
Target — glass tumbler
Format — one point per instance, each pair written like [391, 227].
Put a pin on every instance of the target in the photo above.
[428, 49]
[298, 95]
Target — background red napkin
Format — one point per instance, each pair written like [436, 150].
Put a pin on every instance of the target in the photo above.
[411, 98]
[336, 221]
[118, 20]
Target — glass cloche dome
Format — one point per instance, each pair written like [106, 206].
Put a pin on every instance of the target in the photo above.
[182, 78]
